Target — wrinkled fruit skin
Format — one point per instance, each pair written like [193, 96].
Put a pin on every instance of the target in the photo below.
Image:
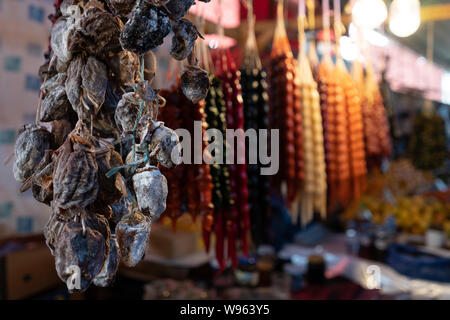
[111, 189]
[195, 84]
[31, 143]
[98, 33]
[126, 112]
[108, 273]
[42, 182]
[146, 28]
[151, 191]
[185, 34]
[55, 105]
[168, 147]
[121, 7]
[86, 252]
[121, 209]
[52, 231]
[75, 180]
[178, 8]
[133, 232]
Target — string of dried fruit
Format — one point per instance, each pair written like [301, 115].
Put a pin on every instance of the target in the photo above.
[335, 133]
[103, 200]
[237, 217]
[255, 97]
[355, 132]
[314, 193]
[286, 112]
[376, 126]
[216, 119]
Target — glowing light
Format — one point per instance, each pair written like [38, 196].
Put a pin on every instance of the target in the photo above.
[369, 13]
[348, 48]
[404, 17]
[373, 37]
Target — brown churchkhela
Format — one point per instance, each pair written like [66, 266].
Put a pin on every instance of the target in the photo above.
[285, 110]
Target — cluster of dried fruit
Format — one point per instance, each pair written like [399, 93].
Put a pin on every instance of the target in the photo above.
[98, 166]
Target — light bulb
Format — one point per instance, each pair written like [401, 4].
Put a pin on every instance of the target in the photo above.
[404, 17]
[369, 14]
[348, 49]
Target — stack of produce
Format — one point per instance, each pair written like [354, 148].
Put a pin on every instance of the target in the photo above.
[104, 200]
[237, 218]
[255, 95]
[428, 147]
[414, 214]
[285, 111]
[314, 195]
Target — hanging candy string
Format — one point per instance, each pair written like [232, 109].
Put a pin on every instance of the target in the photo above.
[326, 24]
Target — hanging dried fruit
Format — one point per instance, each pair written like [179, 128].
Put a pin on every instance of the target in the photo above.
[151, 191]
[31, 143]
[97, 166]
[132, 234]
[80, 253]
[185, 35]
[145, 29]
[195, 83]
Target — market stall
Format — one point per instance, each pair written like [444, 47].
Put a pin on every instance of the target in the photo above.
[233, 150]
